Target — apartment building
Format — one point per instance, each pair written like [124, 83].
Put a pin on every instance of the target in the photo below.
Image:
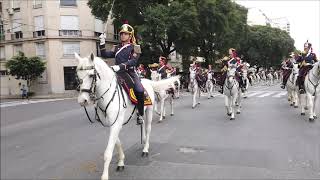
[52, 30]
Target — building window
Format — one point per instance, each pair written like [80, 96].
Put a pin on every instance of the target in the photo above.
[3, 72]
[68, 2]
[2, 37]
[69, 48]
[70, 82]
[16, 29]
[15, 4]
[37, 4]
[16, 49]
[2, 53]
[0, 7]
[38, 27]
[69, 26]
[40, 50]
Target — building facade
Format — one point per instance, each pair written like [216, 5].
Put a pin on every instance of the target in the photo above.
[52, 30]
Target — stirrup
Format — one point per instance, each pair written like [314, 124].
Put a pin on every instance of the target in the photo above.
[139, 119]
[282, 86]
[301, 91]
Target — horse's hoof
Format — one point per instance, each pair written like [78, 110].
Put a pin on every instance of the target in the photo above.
[144, 154]
[163, 117]
[160, 121]
[172, 114]
[302, 114]
[295, 106]
[315, 117]
[291, 104]
[305, 108]
[229, 114]
[198, 102]
[245, 97]
[311, 119]
[120, 168]
[238, 112]
[232, 119]
[192, 107]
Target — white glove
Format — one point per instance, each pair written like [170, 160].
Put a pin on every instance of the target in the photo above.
[115, 68]
[102, 38]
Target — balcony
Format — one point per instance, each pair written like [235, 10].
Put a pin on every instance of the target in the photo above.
[70, 33]
[37, 6]
[17, 35]
[37, 34]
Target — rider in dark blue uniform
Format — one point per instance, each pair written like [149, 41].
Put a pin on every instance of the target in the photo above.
[306, 62]
[126, 56]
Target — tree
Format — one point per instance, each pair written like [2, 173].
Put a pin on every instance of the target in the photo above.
[267, 46]
[25, 68]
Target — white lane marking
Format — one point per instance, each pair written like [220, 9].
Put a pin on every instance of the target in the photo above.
[266, 94]
[17, 103]
[280, 94]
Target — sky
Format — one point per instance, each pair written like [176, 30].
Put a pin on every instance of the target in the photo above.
[303, 15]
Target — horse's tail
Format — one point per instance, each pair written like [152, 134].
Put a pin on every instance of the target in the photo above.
[164, 84]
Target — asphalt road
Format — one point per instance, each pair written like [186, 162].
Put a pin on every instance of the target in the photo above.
[52, 139]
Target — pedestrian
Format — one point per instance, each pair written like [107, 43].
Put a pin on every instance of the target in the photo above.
[24, 92]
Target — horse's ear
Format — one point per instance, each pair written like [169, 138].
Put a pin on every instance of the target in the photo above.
[77, 56]
[92, 56]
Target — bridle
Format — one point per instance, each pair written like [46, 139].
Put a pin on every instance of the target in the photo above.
[96, 100]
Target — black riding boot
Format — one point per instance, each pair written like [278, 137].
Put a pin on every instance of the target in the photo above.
[140, 106]
[300, 83]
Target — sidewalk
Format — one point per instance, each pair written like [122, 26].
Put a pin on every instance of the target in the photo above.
[46, 96]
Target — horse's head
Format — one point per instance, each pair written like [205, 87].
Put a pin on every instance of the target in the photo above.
[155, 76]
[87, 75]
[295, 69]
[231, 74]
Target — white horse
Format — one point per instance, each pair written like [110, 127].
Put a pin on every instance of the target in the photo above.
[292, 87]
[210, 84]
[245, 80]
[276, 76]
[163, 95]
[269, 79]
[99, 84]
[312, 88]
[177, 86]
[195, 88]
[232, 93]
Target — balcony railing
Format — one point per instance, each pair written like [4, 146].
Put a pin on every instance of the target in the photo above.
[70, 33]
[36, 6]
[37, 34]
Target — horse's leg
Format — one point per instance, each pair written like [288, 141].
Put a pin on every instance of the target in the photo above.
[211, 89]
[161, 108]
[296, 99]
[149, 114]
[114, 133]
[232, 100]
[178, 93]
[302, 104]
[239, 103]
[314, 106]
[226, 103]
[310, 106]
[194, 99]
[171, 102]
[121, 155]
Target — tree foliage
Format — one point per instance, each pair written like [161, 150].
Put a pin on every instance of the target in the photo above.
[206, 28]
[267, 46]
[25, 68]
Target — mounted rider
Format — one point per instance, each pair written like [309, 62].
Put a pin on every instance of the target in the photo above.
[286, 68]
[126, 56]
[164, 68]
[200, 77]
[141, 71]
[232, 60]
[306, 62]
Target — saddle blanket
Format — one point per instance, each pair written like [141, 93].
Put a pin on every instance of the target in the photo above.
[128, 85]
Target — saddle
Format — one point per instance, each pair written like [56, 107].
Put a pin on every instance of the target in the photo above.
[127, 84]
